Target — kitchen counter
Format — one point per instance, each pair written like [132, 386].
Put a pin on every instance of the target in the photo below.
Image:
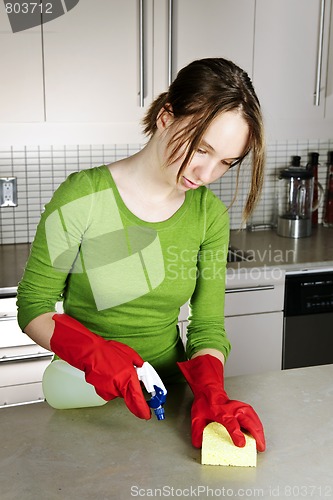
[12, 262]
[107, 453]
[268, 249]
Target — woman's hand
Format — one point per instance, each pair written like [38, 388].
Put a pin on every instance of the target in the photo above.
[108, 365]
[211, 403]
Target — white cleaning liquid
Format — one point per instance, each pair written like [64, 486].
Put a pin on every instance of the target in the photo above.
[65, 387]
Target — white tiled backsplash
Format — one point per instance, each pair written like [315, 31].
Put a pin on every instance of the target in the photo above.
[39, 170]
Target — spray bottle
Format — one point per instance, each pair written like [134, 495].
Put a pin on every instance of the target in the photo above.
[65, 387]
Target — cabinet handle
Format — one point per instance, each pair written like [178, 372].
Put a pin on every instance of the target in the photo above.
[170, 41]
[141, 54]
[8, 317]
[8, 292]
[26, 357]
[250, 289]
[320, 53]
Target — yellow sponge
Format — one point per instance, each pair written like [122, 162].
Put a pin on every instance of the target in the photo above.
[218, 448]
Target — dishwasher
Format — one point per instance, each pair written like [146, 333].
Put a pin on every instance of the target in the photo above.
[308, 319]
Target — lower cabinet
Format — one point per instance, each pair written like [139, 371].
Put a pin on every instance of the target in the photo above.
[254, 322]
[256, 341]
[22, 362]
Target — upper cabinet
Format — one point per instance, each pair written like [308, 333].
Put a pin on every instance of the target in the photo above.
[93, 66]
[186, 30]
[106, 61]
[89, 75]
[329, 78]
[21, 97]
[292, 60]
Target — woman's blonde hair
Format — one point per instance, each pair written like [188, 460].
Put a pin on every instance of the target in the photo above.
[201, 91]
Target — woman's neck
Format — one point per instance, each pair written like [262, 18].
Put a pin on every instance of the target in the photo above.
[147, 189]
[145, 173]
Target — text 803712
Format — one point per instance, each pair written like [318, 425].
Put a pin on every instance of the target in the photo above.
[28, 7]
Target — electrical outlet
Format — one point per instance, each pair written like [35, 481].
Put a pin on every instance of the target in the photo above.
[8, 192]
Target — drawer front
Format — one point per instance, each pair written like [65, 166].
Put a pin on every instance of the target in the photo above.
[23, 369]
[8, 306]
[256, 343]
[245, 295]
[11, 334]
[20, 394]
[253, 300]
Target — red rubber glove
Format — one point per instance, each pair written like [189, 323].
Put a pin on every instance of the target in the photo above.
[108, 365]
[212, 404]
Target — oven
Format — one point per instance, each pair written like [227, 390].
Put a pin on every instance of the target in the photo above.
[308, 319]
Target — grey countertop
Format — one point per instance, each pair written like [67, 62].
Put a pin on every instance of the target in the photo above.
[107, 453]
[12, 261]
[267, 248]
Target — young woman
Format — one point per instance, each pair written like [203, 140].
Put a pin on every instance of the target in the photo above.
[125, 245]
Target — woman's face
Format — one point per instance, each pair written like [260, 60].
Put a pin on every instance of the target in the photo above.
[224, 142]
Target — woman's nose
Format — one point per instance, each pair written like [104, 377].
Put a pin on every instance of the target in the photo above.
[205, 173]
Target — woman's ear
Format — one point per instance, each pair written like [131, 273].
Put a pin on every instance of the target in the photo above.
[165, 117]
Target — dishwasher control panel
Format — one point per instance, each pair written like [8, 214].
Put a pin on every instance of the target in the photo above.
[309, 293]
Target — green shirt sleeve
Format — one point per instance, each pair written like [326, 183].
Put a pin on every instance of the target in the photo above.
[206, 320]
[54, 249]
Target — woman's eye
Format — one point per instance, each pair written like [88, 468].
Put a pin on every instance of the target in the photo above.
[226, 163]
[201, 151]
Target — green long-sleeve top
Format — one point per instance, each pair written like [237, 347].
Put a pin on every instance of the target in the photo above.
[126, 279]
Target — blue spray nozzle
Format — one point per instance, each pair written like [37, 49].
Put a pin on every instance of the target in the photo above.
[153, 384]
[157, 401]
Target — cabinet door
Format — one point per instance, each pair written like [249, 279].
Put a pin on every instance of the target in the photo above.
[329, 83]
[92, 63]
[285, 66]
[21, 394]
[210, 28]
[256, 342]
[182, 325]
[21, 96]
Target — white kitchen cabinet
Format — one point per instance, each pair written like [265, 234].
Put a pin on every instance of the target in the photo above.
[92, 65]
[22, 362]
[285, 68]
[210, 28]
[254, 321]
[183, 322]
[329, 78]
[21, 96]
[182, 326]
[256, 341]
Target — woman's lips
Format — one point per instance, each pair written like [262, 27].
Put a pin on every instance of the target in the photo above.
[189, 184]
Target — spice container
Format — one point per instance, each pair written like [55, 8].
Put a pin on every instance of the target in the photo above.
[328, 211]
[313, 166]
